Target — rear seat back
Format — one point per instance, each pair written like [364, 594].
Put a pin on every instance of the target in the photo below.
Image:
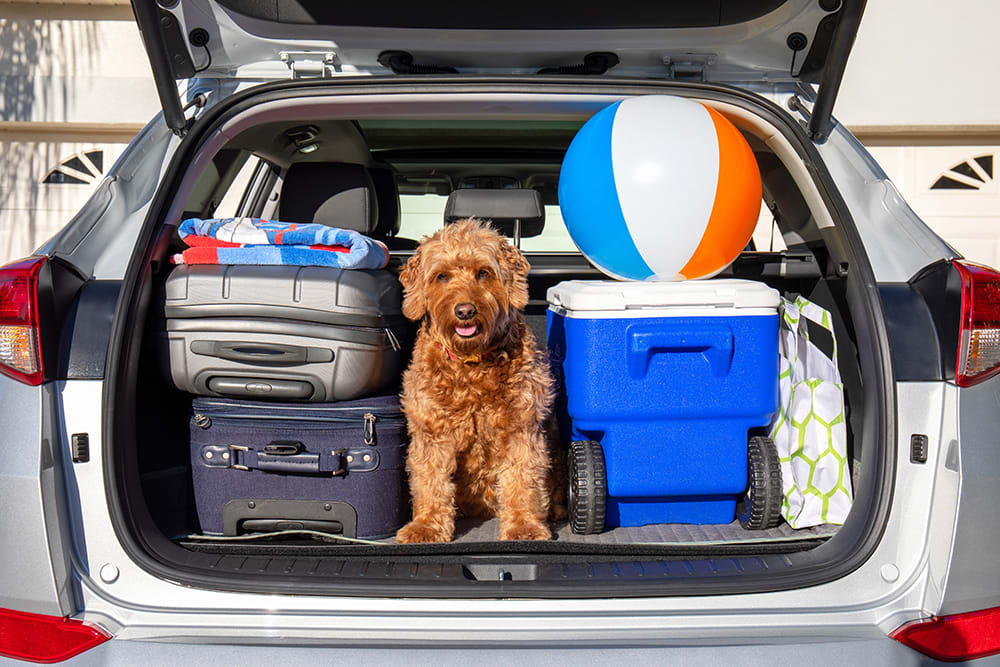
[384, 180]
[389, 210]
[516, 213]
[337, 194]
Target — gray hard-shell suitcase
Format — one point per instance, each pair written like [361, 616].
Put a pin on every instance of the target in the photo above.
[303, 333]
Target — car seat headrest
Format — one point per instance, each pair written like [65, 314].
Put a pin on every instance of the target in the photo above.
[387, 194]
[329, 193]
[503, 208]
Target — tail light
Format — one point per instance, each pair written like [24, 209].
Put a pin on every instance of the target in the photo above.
[20, 345]
[968, 636]
[979, 338]
[39, 638]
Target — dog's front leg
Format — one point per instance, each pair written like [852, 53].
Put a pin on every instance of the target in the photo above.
[524, 503]
[431, 465]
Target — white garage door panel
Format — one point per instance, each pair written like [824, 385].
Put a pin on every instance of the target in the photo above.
[31, 210]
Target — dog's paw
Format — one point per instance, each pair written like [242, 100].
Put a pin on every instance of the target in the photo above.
[523, 530]
[419, 532]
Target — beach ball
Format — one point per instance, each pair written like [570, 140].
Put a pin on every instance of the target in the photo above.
[659, 188]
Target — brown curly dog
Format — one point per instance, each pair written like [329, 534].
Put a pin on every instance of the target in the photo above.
[478, 392]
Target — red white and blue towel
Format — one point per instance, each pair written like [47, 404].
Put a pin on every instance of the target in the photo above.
[256, 241]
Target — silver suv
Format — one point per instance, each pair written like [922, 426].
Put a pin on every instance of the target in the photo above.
[102, 557]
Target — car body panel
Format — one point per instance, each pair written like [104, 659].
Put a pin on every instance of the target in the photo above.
[899, 244]
[36, 576]
[800, 40]
[245, 40]
[881, 651]
[752, 50]
[897, 584]
[974, 578]
[99, 240]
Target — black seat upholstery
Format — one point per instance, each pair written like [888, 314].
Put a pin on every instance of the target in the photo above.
[388, 199]
[389, 217]
[330, 193]
[503, 208]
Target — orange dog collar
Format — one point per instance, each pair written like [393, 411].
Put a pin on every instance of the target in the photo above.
[472, 359]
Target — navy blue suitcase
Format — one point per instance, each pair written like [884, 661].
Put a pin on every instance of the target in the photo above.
[332, 467]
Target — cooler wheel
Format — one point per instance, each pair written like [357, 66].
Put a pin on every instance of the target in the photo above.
[588, 487]
[760, 507]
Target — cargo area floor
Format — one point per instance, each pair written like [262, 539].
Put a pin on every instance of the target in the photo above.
[479, 538]
[475, 530]
[481, 533]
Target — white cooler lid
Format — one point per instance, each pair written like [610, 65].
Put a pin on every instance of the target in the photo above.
[709, 297]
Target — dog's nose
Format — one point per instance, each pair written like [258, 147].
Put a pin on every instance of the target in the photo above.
[465, 311]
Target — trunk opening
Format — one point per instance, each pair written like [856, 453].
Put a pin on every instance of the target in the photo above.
[818, 259]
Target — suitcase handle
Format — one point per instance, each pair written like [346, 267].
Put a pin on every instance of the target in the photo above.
[283, 447]
[305, 463]
[252, 514]
[714, 342]
[286, 457]
[261, 353]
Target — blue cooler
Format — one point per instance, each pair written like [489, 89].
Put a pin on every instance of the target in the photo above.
[668, 378]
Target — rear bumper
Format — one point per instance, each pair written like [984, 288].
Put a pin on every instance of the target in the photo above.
[866, 652]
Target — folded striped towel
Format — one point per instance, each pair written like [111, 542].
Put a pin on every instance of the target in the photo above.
[256, 241]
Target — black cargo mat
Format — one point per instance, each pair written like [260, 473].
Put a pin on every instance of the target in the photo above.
[478, 537]
[661, 533]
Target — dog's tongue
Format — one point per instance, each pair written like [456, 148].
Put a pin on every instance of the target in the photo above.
[469, 330]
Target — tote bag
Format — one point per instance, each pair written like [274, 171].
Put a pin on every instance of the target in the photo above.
[810, 430]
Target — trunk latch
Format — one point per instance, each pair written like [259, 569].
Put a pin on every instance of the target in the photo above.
[688, 66]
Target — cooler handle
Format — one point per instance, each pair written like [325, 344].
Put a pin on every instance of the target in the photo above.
[714, 342]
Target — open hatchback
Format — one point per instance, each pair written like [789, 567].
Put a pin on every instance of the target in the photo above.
[443, 99]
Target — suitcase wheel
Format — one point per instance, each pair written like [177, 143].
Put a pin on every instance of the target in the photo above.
[588, 487]
[760, 507]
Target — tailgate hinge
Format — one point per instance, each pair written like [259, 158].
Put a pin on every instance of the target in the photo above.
[688, 66]
[310, 64]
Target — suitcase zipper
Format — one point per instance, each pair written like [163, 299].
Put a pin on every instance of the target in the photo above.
[204, 420]
[224, 407]
[393, 341]
[386, 331]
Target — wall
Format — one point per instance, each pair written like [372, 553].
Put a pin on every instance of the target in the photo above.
[924, 63]
[73, 78]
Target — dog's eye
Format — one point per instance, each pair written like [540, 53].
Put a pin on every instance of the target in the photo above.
[483, 274]
[442, 277]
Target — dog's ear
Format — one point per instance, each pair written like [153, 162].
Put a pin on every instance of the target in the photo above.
[516, 267]
[414, 301]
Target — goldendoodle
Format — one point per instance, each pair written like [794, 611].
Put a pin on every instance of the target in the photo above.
[478, 393]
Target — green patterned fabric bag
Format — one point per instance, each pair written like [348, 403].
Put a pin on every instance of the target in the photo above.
[810, 431]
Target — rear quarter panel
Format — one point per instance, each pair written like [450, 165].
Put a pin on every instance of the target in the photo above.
[974, 575]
